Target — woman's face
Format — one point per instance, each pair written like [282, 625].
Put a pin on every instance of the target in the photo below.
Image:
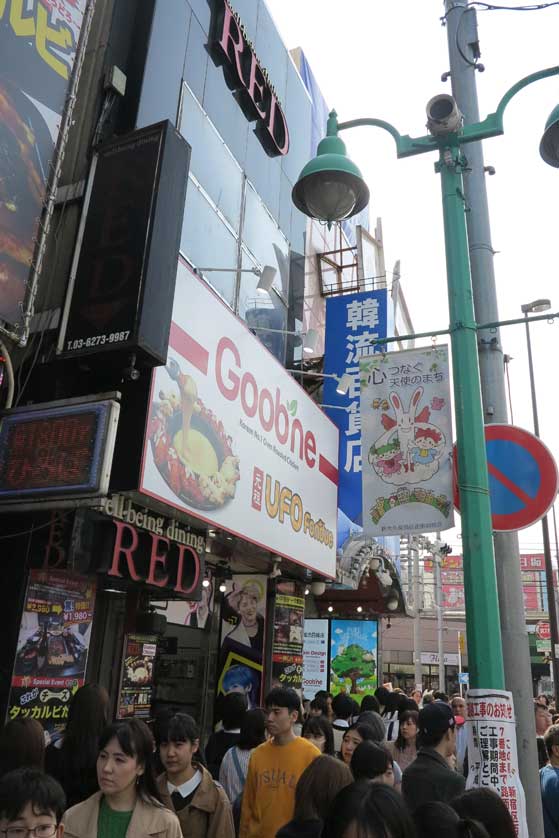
[116, 771]
[349, 743]
[248, 609]
[317, 739]
[408, 729]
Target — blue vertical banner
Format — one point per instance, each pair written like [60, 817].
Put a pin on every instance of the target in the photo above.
[353, 321]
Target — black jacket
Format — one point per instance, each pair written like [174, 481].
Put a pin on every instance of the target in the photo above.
[301, 829]
[429, 778]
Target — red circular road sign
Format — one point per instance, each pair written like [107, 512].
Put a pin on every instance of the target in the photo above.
[523, 478]
[543, 630]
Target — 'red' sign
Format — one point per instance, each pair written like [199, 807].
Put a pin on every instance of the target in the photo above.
[543, 630]
[249, 80]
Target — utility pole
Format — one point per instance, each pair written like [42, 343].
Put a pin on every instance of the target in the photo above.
[462, 37]
[437, 560]
[414, 551]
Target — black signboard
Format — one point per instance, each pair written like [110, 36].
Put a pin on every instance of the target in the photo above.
[125, 278]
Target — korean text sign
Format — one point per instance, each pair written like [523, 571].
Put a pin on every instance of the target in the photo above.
[232, 438]
[407, 442]
[492, 754]
[352, 322]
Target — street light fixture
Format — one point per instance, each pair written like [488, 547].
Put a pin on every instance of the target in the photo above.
[308, 338]
[530, 308]
[330, 188]
[549, 146]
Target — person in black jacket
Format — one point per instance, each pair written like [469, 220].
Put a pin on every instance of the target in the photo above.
[429, 777]
[233, 708]
[317, 787]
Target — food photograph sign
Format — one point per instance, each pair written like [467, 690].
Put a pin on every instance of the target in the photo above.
[407, 442]
[233, 440]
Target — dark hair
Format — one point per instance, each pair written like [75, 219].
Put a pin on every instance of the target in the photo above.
[369, 702]
[29, 785]
[323, 694]
[283, 697]
[486, 807]
[551, 738]
[320, 704]
[342, 705]
[376, 810]
[88, 716]
[253, 729]
[135, 739]
[317, 787]
[438, 695]
[439, 820]
[370, 760]
[22, 745]
[543, 757]
[382, 695]
[401, 743]
[374, 722]
[408, 704]
[320, 726]
[175, 727]
[233, 708]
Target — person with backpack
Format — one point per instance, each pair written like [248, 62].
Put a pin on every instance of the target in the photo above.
[186, 787]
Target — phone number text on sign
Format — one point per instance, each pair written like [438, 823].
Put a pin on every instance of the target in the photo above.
[98, 340]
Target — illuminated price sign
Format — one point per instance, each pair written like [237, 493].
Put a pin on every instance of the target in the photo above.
[62, 450]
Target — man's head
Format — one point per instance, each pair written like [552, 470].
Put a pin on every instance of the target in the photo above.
[30, 800]
[436, 728]
[318, 707]
[551, 741]
[458, 705]
[342, 705]
[543, 717]
[233, 707]
[282, 710]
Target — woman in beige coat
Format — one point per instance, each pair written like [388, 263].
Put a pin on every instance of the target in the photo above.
[128, 804]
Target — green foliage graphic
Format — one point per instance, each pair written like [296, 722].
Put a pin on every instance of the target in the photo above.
[354, 663]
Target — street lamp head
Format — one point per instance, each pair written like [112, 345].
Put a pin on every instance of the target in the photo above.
[536, 305]
[330, 187]
[443, 116]
[549, 146]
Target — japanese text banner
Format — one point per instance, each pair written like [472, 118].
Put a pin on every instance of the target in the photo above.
[407, 442]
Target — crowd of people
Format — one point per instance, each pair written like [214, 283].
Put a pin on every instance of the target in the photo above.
[392, 767]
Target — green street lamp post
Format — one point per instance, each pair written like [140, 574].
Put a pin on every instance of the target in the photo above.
[331, 188]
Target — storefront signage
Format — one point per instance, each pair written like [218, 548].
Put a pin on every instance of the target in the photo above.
[287, 645]
[155, 560]
[233, 440]
[450, 659]
[49, 451]
[407, 442]
[492, 753]
[52, 646]
[122, 508]
[315, 657]
[249, 80]
[136, 679]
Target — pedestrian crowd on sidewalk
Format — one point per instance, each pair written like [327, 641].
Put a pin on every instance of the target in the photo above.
[393, 767]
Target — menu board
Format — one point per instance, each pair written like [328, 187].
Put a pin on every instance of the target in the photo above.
[287, 650]
[136, 680]
[52, 646]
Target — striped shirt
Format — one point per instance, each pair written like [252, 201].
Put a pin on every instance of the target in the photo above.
[232, 781]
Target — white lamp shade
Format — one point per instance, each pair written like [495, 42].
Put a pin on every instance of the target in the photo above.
[310, 341]
[344, 384]
[266, 279]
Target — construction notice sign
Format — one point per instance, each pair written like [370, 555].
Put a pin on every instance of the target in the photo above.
[492, 753]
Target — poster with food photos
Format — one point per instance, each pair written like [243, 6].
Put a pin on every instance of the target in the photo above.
[136, 681]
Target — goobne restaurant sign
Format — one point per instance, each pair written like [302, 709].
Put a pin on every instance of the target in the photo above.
[233, 440]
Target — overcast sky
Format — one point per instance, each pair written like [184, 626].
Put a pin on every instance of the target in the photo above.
[385, 59]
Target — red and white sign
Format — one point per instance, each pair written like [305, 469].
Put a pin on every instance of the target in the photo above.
[492, 754]
[543, 630]
[233, 440]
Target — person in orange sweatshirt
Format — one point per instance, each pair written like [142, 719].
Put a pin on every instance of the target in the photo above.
[274, 768]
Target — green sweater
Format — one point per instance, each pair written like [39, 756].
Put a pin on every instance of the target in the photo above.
[112, 824]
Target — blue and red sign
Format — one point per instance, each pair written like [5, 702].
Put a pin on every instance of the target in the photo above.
[523, 479]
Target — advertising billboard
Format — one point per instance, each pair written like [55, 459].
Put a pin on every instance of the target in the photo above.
[407, 442]
[315, 657]
[38, 43]
[353, 657]
[287, 645]
[233, 440]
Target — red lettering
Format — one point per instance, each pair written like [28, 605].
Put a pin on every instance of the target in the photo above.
[256, 85]
[281, 413]
[296, 426]
[231, 392]
[231, 36]
[178, 587]
[156, 559]
[119, 549]
[267, 423]
[251, 409]
[310, 449]
[282, 144]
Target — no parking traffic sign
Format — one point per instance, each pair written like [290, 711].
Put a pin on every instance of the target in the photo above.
[523, 477]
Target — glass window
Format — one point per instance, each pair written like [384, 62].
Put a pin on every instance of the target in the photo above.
[206, 241]
[211, 163]
[264, 311]
[265, 240]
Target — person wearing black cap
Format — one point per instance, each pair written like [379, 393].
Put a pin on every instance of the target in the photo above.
[429, 776]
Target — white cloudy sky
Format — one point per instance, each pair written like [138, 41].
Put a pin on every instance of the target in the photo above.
[385, 59]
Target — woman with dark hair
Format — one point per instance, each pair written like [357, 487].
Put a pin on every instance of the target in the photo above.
[354, 735]
[369, 702]
[439, 820]
[368, 810]
[486, 807]
[390, 704]
[22, 745]
[72, 759]
[318, 730]
[233, 771]
[318, 785]
[371, 761]
[186, 787]
[404, 747]
[128, 803]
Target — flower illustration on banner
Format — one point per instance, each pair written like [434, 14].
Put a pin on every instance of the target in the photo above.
[437, 403]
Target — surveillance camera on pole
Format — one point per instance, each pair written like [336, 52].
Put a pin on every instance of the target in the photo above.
[443, 115]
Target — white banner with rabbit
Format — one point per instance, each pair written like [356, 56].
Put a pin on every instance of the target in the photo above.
[406, 434]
